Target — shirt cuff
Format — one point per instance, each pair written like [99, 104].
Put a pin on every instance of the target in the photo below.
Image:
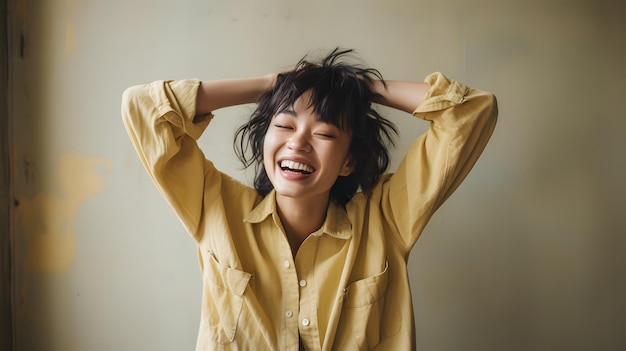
[443, 93]
[176, 102]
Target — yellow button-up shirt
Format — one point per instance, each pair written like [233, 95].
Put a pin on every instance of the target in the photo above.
[347, 287]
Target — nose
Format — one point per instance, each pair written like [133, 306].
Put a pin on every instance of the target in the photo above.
[299, 142]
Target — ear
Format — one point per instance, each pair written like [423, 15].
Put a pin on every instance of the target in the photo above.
[348, 166]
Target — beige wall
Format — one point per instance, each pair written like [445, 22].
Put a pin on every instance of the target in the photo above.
[527, 255]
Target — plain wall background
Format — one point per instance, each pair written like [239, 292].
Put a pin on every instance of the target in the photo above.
[527, 255]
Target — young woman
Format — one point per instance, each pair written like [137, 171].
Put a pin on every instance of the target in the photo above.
[314, 257]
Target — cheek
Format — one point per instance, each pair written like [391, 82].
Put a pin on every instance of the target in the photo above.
[267, 151]
[267, 144]
[338, 152]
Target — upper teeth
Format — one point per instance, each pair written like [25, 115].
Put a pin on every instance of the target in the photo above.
[296, 165]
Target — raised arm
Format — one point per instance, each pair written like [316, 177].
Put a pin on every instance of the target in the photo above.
[462, 120]
[165, 118]
[216, 94]
[401, 95]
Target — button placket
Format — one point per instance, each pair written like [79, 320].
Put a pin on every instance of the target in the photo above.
[290, 300]
[308, 294]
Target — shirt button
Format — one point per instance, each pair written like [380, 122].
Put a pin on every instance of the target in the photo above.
[306, 322]
[287, 264]
[288, 314]
[303, 283]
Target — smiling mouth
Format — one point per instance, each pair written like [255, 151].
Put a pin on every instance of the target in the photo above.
[297, 167]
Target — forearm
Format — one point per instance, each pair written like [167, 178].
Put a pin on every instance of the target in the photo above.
[401, 95]
[216, 94]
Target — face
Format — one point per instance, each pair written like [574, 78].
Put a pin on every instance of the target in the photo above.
[303, 156]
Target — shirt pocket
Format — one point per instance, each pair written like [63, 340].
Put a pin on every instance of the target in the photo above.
[222, 300]
[364, 310]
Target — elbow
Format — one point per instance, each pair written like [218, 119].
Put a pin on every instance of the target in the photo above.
[489, 109]
[493, 103]
[490, 114]
[485, 111]
[129, 101]
[492, 111]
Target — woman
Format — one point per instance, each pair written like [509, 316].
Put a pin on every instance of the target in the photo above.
[314, 257]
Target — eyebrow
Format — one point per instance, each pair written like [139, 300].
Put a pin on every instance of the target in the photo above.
[289, 111]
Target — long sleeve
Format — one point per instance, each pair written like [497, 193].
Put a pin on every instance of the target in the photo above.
[160, 120]
[462, 120]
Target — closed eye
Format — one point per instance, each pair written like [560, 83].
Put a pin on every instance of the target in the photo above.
[328, 136]
[282, 126]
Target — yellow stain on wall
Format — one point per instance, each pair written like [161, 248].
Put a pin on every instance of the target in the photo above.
[47, 221]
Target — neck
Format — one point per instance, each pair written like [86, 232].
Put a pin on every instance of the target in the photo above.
[301, 217]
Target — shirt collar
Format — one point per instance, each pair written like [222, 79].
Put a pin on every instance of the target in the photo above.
[337, 223]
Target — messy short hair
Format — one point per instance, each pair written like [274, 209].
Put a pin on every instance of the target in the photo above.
[340, 95]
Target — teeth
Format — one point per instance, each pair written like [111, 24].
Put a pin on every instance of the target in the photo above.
[296, 166]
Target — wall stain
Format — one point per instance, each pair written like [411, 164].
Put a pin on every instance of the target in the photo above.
[46, 221]
[28, 168]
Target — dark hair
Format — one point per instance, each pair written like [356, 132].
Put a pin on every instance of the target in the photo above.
[340, 95]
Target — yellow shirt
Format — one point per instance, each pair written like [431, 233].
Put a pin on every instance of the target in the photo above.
[347, 288]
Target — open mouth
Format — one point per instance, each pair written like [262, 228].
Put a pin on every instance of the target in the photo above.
[296, 167]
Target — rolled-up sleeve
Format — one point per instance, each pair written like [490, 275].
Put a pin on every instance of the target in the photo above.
[160, 120]
[462, 120]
